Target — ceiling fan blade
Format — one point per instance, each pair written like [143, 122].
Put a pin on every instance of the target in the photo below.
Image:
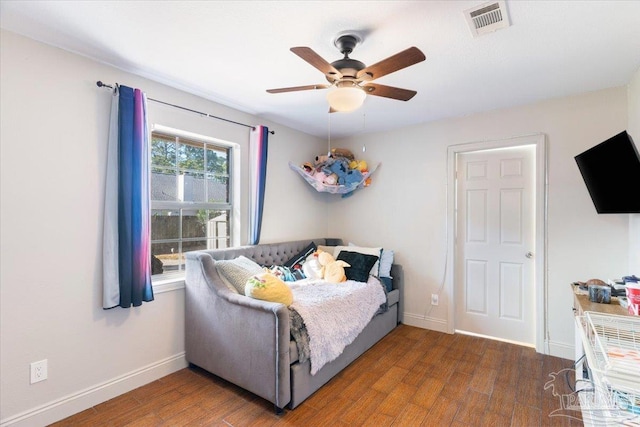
[297, 88]
[389, 91]
[317, 61]
[400, 60]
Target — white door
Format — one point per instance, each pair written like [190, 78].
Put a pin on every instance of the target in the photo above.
[495, 240]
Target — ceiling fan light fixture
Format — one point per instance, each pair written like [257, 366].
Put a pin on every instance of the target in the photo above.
[345, 99]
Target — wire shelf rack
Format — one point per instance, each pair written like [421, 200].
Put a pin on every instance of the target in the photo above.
[612, 348]
[615, 341]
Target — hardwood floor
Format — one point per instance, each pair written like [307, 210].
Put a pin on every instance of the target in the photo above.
[412, 377]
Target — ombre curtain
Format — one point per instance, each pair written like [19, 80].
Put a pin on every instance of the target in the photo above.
[127, 228]
[258, 148]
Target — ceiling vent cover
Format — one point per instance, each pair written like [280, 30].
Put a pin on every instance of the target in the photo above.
[487, 17]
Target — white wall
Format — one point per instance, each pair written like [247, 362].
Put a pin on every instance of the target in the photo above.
[633, 96]
[53, 137]
[405, 207]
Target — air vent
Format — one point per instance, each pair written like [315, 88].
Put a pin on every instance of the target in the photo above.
[487, 17]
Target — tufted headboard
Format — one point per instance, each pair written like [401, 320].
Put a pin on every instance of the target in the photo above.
[270, 253]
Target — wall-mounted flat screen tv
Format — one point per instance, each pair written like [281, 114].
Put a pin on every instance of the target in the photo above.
[611, 171]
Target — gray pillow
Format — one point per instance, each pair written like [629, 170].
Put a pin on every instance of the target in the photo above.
[236, 272]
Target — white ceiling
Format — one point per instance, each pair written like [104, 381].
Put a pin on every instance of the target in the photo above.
[232, 51]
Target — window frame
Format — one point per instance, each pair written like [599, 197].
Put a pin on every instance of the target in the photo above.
[175, 279]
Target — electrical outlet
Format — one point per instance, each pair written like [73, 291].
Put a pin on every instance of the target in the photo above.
[39, 371]
[434, 299]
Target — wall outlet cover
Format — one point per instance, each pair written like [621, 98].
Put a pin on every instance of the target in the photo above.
[39, 371]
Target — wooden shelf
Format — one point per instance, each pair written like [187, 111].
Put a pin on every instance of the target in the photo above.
[582, 304]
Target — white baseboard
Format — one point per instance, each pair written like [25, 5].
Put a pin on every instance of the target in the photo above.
[84, 399]
[563, 350]
[424, 322]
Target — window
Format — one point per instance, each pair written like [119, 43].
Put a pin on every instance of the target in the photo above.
[191, 202]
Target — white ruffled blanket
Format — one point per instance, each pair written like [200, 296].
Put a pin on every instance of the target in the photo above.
[335, 314]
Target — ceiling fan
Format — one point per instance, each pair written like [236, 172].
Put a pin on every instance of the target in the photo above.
[351, 79]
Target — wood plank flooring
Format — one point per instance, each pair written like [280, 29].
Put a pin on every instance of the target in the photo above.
[413, 377]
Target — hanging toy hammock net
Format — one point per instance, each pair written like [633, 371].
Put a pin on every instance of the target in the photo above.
[333, 189]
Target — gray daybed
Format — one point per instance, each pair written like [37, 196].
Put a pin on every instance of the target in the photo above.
[247, 341]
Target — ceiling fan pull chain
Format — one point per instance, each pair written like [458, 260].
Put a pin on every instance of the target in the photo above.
[364, 125]
[329, 136]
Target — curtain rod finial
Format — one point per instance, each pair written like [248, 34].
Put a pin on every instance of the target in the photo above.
[100, 84]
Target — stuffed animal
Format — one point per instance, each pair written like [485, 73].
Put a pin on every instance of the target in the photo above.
[331, 270]
[354, 176]
[340, 167]
[331, 179]
[321, 159]
[321, 177]
[308, 168]
[342, 152]
[268, 287]
[311, 267]
[360, 165]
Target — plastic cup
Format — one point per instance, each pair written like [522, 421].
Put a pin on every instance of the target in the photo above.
[633, 295]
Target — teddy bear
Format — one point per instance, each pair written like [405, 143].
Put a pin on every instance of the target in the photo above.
[330, 269]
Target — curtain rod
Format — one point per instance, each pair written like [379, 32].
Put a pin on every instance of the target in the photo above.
[272, 132]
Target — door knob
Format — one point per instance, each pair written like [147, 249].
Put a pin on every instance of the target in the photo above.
[529, 255]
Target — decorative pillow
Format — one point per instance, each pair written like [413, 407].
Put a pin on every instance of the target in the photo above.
[236, 272]
[285, 273]
[324, 248]
[387, 282]
[296, 262]
[360, 265]
[363, 250]
[386, 260]
[268, 287]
